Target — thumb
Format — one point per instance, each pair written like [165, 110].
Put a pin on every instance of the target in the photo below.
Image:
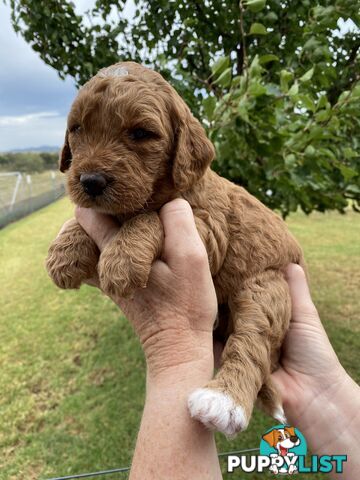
[301, 301]
[182, 240]
[100, 227]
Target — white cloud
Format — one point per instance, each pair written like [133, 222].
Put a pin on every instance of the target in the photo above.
[14, 120]
[42, 128]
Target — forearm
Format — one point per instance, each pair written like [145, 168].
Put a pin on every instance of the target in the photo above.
[331, 425]
[170, 444]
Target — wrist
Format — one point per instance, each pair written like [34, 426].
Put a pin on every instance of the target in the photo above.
[182, 376]
[174, 354]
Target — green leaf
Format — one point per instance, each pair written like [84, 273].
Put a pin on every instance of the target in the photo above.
[271, 16]
[310, 151]
[255, 69]
[294, 90]
[220, 65]
[239, 85]
[347, 172]
[307, 76]
[322, 102]
[270, 57]
[209, 105]
[225, 78]
[258, 29]
[285, 78]
[356, 91]
[290, 160]
[349, 153]
[343, 96]
[256, 89]
[323, 115]
[311, 44]
[242, 110]
[255, 5]
[307, 102]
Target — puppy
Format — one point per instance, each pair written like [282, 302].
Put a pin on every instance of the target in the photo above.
[132, 145]
[282, 440]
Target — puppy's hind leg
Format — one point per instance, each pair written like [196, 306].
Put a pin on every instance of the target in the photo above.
[260, 313]
[269, 400]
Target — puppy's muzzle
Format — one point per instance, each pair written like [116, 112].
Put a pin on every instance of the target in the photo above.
[93, 184]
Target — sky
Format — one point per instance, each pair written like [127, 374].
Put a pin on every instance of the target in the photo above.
[34, 101]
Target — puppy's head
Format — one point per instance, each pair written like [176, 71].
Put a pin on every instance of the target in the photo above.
[286, 437]
[130, 134]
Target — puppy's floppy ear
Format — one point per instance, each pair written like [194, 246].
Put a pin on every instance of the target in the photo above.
[65, 154]
[270, 438]
[194, 152]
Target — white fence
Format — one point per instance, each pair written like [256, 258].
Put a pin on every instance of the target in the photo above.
[21, 194]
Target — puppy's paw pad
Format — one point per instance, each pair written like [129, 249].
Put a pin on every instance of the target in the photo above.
[217, 410]
[279, 415]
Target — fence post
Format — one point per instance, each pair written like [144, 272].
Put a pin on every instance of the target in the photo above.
[16, 189]
[29, 182]
[53, 179]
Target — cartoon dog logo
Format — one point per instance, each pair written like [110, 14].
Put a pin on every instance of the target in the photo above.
[282, 440]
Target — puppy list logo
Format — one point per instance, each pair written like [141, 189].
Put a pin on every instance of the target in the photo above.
[283, 446]
[282, 451]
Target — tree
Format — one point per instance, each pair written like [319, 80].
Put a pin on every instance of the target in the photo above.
[274, 81]
[28, 162]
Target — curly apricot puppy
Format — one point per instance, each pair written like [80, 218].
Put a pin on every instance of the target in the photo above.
[132, 145]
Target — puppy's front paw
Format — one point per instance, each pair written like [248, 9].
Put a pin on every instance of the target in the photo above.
[217, 410]
[67, 268]
[120, 275]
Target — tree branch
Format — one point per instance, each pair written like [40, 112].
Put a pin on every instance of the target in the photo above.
[244, 65]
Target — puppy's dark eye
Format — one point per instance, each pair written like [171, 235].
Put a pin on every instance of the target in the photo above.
[75, 128]
[140, 134]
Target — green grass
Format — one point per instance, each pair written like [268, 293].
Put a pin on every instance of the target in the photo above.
[72, 372]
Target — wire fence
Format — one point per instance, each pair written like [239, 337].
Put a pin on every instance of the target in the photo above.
[21, 194]
[127, 469]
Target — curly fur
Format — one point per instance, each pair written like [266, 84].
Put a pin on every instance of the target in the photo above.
[248, 245]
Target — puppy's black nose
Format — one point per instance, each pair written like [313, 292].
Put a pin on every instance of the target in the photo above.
[294, 438]
[93, 183]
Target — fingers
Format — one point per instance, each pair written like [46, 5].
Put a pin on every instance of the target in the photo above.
[100, 227]
[302, 304]
[182, 240]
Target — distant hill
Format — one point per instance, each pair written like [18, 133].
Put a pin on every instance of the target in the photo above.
[42, 148]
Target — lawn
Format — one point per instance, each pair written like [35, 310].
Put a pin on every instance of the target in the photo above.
[72, 372]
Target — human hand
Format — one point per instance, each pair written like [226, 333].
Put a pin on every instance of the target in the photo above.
[309, 365]
[319, 397]
[174, 315]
